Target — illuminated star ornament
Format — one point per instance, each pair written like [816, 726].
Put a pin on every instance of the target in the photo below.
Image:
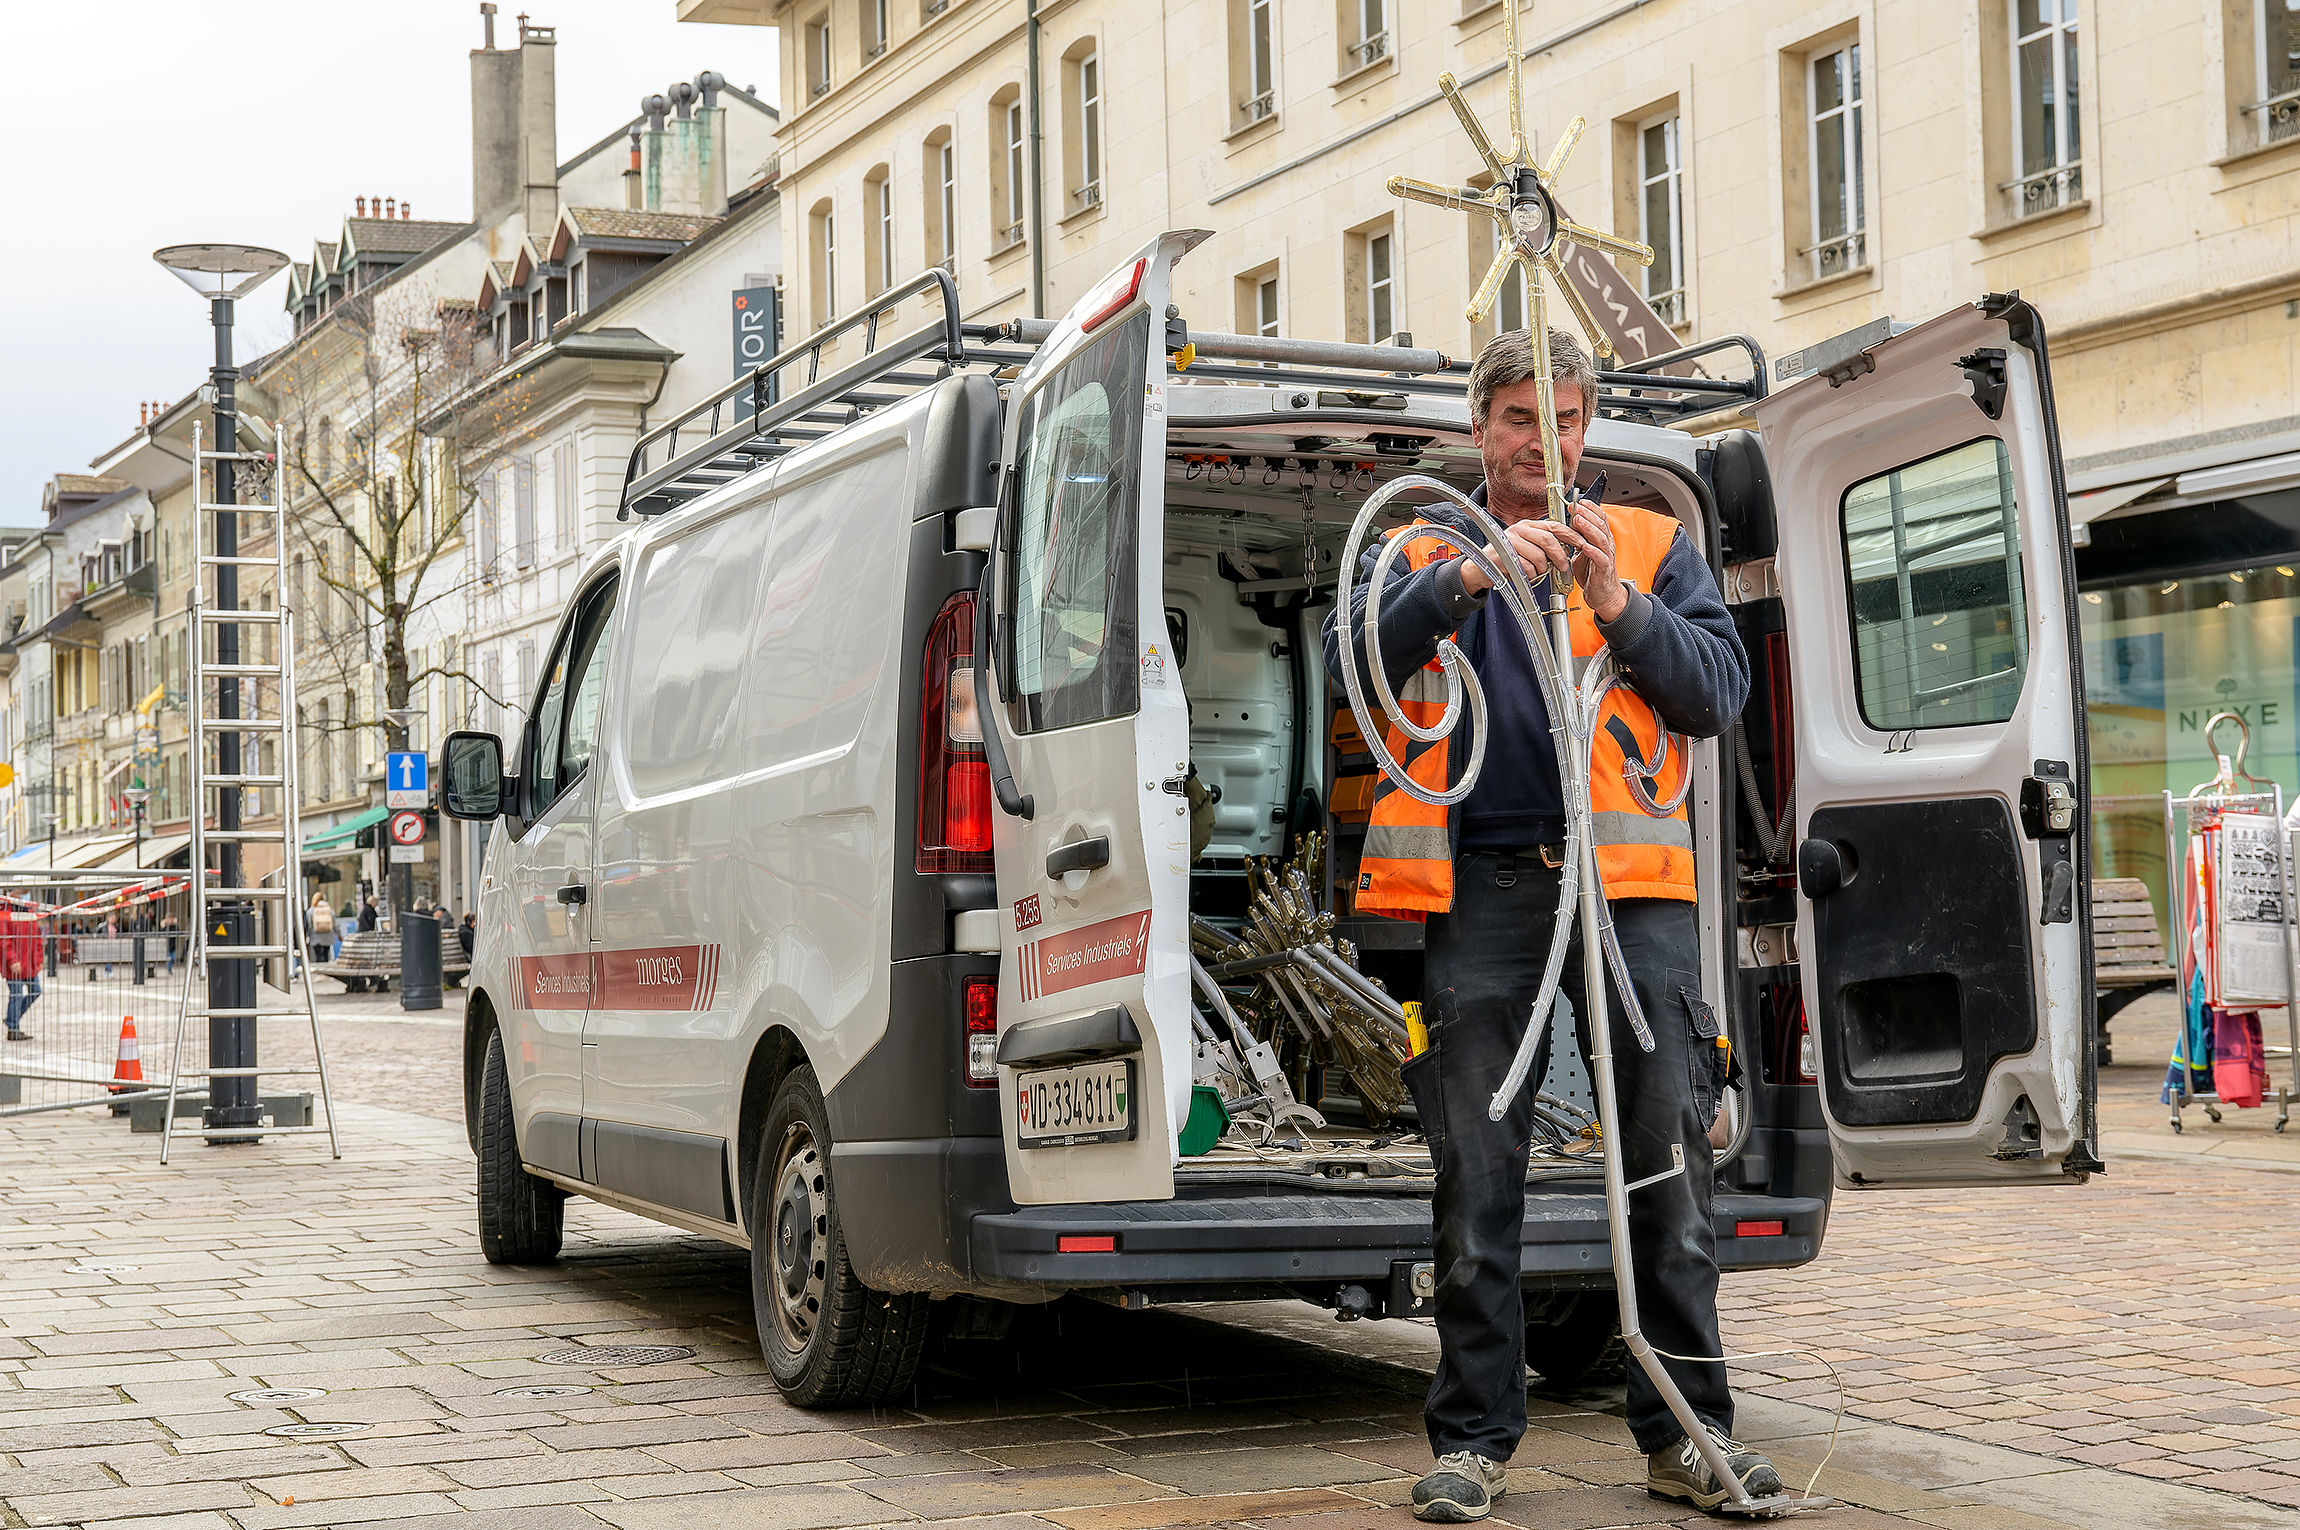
[1530, 231]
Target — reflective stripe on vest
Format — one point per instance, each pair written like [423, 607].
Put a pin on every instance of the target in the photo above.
[1406, 871]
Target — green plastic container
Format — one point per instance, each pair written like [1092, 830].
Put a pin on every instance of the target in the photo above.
[1208, 1120]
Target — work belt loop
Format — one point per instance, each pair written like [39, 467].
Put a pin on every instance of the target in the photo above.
[1505, 871]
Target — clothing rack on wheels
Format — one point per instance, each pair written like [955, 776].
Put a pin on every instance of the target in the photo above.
[2228, 856]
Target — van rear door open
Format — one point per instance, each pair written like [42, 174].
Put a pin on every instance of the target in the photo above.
[1093, 882]
[1941, 785]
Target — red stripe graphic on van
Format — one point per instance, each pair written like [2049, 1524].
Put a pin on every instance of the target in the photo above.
[1094, 953]
[644, 977]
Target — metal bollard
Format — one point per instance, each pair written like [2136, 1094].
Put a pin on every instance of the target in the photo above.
[136, 958]
[418, 961]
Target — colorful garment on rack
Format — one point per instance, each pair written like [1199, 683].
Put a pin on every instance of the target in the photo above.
[2239, 1059]
[2189, 1074]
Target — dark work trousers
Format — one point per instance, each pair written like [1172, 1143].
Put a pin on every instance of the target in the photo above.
[1483, 973]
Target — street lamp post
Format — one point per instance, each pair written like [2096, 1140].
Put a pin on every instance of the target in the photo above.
[222, 273]
[137, 796]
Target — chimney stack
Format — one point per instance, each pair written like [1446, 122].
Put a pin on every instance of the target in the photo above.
[406, 211]
[391, 207]
[514, 127]
[634, 191]
[359, 207]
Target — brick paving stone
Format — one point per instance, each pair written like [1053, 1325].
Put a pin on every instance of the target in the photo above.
[1257, 1468]
[1154, 1514]
[794, 1508]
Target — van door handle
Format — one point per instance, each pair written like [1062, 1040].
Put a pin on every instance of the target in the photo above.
[1078, 855]
[574, 893]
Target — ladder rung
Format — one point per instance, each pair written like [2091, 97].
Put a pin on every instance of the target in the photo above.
[221, 560]
[258, 506]
[242, 953]
[243, 836]
[212, 1132]
[243, 1014]
[226, 894]
[220, 615]
[240, 671]
[247, 1072]
[235, 456]
[222, 780]
[240, 724]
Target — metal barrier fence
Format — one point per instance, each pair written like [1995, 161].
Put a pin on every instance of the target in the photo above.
[95, 972]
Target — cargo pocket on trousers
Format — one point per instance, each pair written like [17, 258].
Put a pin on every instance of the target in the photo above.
[1420, 1076]
[1711, 1062]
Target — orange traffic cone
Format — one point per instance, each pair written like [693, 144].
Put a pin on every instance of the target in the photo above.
[130, 1068]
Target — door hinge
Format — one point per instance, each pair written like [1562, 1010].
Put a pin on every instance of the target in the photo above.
[1985, 370]
[2023, 1134]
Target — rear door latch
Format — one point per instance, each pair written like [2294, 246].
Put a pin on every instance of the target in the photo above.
[2048, 804]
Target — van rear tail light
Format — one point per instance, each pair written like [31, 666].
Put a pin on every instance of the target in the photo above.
[953, 775]
[981, 1032]
[1112, 295]
[1792, 1057]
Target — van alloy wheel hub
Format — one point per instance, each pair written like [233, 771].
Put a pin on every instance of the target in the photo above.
[801, 1237]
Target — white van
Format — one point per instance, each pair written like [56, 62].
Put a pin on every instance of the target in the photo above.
[798, 903]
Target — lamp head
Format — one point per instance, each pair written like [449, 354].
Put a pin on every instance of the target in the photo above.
[220, 270]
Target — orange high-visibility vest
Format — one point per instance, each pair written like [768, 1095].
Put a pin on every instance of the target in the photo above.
[1406, 871]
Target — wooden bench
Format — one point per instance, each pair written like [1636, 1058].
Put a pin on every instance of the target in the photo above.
[2127, 949]
[371, 958]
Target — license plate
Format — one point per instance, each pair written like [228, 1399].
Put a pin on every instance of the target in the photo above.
[1066, 1107]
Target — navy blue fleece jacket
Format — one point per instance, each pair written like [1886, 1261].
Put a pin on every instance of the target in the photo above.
[1676, 642]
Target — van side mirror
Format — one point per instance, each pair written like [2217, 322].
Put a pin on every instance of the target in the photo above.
[474, 786]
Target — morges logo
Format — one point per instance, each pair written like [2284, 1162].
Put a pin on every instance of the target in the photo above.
[1026, 913]
[1113, 948]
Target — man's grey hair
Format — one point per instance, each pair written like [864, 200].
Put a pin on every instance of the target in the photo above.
[1509, 359]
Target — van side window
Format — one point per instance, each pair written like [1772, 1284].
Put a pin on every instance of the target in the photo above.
[567, 713]
[1071, 539]
[1933, 565]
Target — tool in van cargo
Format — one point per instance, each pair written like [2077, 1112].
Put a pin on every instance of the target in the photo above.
[1528, 230]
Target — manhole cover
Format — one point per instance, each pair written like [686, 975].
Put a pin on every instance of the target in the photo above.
[314, 1431]
[278, 1394]
[102, 1269]
[542, 1391]
[618, 1354]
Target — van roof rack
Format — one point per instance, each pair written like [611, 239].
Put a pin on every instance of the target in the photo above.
[786, 401]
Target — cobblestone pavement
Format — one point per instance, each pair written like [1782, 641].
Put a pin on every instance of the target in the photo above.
[134, 1300]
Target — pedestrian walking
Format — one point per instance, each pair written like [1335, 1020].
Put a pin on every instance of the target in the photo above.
[20, 961]
[1485, 873]
[467, 934]
[367, 916]
[320, 936]
[170, 931]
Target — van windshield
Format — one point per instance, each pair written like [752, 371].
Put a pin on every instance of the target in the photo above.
[1072, 537]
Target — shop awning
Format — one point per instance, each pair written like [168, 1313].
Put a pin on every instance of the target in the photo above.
[2252, 477]
[341, 836]
[2083, 509]
[92, 853]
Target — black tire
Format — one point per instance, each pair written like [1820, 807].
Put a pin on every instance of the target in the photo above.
[829, 1340]
[521, 1218]
[1577, 1343]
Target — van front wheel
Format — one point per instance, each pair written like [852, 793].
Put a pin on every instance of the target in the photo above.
[830, 1341]
[521, 1218]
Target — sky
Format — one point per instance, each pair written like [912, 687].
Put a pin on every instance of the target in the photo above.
[250, 122]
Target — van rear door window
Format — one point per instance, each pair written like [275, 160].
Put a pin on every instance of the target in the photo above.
[1072, 540]
[1932, 561]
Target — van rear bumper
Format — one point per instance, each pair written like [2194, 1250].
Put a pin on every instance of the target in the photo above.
[1281, 1239]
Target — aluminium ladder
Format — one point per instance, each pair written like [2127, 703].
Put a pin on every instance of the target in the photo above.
[207, 730]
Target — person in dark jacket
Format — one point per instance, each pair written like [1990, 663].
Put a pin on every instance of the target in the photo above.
[1488, 887]
[467, 934]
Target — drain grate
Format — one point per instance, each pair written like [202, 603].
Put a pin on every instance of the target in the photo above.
[314, 1431]
[618, 1354]
[278, 1394]
[542, 1391]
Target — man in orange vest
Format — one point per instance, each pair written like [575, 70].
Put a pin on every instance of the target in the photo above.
[1484, 876]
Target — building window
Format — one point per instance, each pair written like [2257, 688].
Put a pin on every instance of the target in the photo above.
[885, 233]
[1088, 192]
[819, 54]
[874, 28]
[2276, 104]
[1381, 289]
[826, 252]
[2045, 146]
[1840, 189]
[946, 160]
[1255, 61]
[1266, 307]
[878, 230]
[1661, 214]
[1010, 169]
[1369, 22]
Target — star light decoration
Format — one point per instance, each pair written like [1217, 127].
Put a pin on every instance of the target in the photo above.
[1521, 203]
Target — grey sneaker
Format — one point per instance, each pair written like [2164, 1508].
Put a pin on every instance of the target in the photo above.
[1462, 1488]
[1680, 1472]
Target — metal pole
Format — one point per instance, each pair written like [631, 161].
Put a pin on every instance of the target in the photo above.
[231, 983]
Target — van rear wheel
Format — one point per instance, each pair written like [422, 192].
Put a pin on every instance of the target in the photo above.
[521, 1218]
[829, 1340]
